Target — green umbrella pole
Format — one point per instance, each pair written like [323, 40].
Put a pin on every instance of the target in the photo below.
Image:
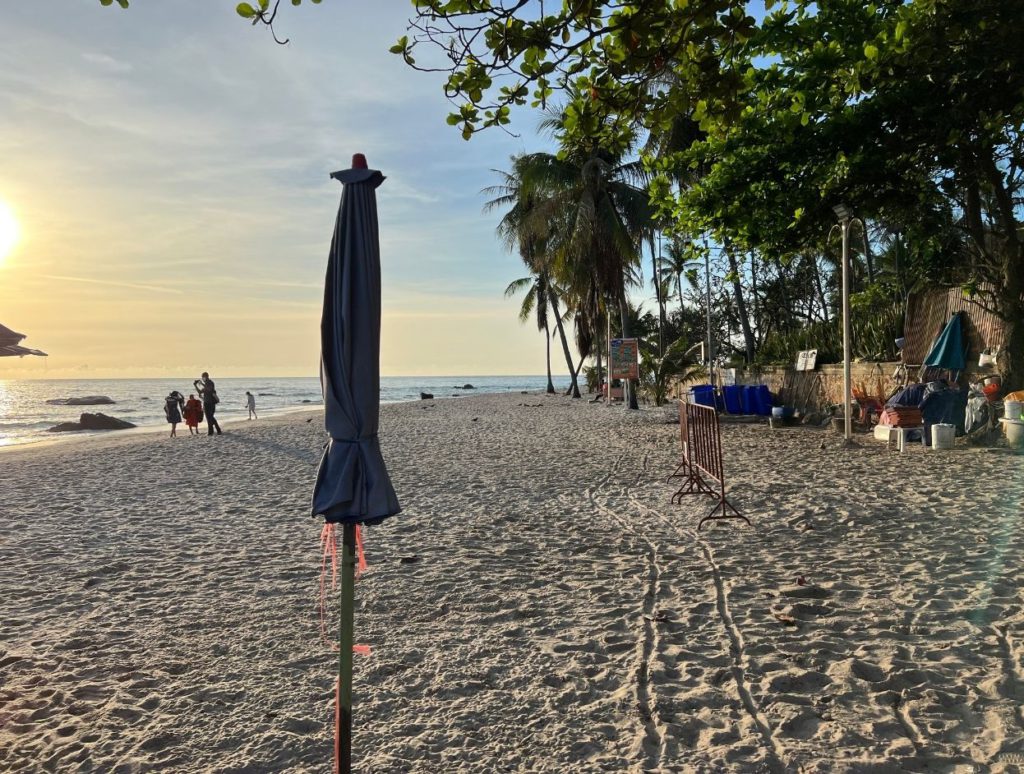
[343, 733]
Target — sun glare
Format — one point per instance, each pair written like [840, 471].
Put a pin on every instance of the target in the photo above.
[8, 230]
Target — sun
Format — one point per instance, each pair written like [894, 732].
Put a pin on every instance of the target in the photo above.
[8, 230]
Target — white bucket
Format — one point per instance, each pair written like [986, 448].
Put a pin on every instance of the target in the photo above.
[1014, 432]
[942, 436]
[1012, 409]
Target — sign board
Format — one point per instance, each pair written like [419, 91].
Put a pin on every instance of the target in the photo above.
[806, 360]
[729, 377]
[623, 359]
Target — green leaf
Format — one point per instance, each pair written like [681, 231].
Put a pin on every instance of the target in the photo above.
[264, 5]
[245, 10]
[871, 52]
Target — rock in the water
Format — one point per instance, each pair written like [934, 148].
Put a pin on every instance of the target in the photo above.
[426, 396]
[92, 422]
[87, 400]
[65, 427]
[103, 422]
[468, 387]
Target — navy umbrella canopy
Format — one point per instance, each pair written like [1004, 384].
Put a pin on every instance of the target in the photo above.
[352, 484]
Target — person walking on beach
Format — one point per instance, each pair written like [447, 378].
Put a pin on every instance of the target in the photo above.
[173, 406]
[250, 403]
[193, 414]
[208, 390]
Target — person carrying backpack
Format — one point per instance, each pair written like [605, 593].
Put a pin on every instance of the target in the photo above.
[208, 391]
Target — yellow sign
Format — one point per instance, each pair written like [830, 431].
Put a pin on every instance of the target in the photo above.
[623, 358]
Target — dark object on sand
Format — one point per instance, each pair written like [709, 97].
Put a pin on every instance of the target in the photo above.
[352, 484]
[426, 396]
[86, 400]
[92, 422]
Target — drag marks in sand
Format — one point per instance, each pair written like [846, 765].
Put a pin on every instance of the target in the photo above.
[710, 726]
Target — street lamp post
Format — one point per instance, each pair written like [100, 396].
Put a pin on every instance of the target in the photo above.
[846, 221]
[707, 306]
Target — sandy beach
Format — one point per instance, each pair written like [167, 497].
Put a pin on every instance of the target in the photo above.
[539, 606]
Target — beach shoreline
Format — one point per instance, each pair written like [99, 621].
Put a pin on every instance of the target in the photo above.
[143, 432]
[538, 605]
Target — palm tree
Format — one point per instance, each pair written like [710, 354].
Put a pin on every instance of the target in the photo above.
[536, 298]
[675, 264]
[658, 371]
[523, 227]
[596, 218]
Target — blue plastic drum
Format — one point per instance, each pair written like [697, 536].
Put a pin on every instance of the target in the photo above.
[733, 395]
[703, 394]
[764, 401]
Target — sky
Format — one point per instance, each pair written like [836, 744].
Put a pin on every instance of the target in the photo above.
[168, 167]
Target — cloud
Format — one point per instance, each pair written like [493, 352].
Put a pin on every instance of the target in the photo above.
[107, 62]
[111, 283]
[177, 158]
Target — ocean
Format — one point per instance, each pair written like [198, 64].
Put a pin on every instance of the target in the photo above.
[26, 415]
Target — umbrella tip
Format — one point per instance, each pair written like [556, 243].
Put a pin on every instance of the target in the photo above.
[358, 161]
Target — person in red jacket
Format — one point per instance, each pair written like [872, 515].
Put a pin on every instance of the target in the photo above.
[193, 414]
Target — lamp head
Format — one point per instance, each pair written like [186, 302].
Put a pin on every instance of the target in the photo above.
[843, 213]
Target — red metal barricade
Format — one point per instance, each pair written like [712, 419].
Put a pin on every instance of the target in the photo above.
[683, 468]
[702, 455]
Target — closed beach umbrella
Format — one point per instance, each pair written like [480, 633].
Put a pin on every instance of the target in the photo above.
[10, 344]
[352, 484]
[948, 349]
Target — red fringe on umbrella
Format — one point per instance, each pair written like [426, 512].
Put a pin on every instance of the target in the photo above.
[329, 544]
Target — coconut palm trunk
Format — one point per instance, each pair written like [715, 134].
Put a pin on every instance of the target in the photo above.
[574, 386]
[656, 274]
[547, 341]
[631, 384]
[741, 306]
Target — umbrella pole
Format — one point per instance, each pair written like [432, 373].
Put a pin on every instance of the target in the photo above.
[343, 719]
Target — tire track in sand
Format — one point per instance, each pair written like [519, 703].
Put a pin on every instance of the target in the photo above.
[652, 737]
